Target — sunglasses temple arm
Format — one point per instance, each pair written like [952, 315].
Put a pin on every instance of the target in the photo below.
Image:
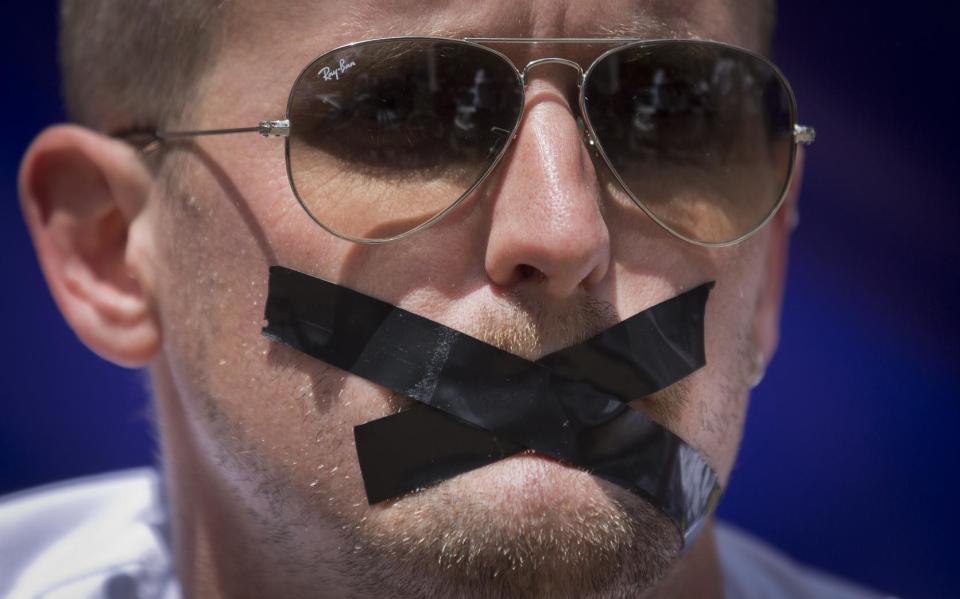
[151, 138]
[265, 128]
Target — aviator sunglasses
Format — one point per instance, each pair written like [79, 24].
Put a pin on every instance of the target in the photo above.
[384, 137]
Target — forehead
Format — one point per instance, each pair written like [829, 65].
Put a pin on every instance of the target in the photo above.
[324, 25]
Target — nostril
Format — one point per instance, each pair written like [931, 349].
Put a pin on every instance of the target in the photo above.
[528, 272]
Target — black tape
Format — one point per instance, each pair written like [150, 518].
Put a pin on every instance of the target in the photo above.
[482, 404]
[420, 447]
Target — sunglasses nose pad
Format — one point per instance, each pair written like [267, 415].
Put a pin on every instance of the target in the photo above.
[588, 140]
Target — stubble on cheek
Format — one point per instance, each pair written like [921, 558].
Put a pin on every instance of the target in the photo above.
[272, 428]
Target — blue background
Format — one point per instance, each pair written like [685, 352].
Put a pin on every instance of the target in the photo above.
[849, 461]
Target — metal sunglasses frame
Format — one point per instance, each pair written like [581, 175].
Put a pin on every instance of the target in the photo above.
[802, 134]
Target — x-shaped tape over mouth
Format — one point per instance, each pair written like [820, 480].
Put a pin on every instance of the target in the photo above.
[480, 404]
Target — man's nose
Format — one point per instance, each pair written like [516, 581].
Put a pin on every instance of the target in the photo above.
[547, 227]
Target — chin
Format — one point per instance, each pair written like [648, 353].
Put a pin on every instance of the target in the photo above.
[526, 526]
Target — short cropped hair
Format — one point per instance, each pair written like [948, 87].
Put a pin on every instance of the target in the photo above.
[134, 63]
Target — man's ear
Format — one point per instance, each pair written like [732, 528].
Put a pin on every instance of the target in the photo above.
[766, 333]
[84, 198]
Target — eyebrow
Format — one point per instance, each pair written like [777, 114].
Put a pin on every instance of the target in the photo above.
[649, 25]
[641, 29]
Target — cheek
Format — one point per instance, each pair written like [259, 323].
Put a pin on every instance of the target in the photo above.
[719, 391]
[214, 280]
[259, 409]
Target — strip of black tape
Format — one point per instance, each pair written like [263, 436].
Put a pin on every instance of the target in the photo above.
[569, 405]
[423, 446]
[420, 447]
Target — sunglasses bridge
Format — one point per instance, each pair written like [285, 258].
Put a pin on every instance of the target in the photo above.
[552, 60]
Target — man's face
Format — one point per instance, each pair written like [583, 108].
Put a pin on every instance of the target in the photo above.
[259, 438]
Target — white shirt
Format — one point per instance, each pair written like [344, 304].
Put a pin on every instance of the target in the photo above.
[107, 537]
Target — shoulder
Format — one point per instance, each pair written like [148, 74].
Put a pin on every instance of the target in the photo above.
[84, 537]
[753, 569]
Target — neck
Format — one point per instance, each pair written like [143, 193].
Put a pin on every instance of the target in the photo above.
[697, 573]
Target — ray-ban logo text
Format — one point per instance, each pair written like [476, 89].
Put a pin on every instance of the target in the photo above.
[327, 73]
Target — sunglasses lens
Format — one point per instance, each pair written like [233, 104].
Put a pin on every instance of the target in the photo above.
[387, 135]
[700, 135]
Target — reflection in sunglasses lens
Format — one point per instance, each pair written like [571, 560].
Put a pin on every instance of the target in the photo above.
[388, 134]
[699, 134]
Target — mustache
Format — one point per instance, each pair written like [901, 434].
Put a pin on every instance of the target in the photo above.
[530, 329]
[480, 403]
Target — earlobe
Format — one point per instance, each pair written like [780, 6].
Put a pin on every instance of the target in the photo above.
[766, 334]
[83, 197]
